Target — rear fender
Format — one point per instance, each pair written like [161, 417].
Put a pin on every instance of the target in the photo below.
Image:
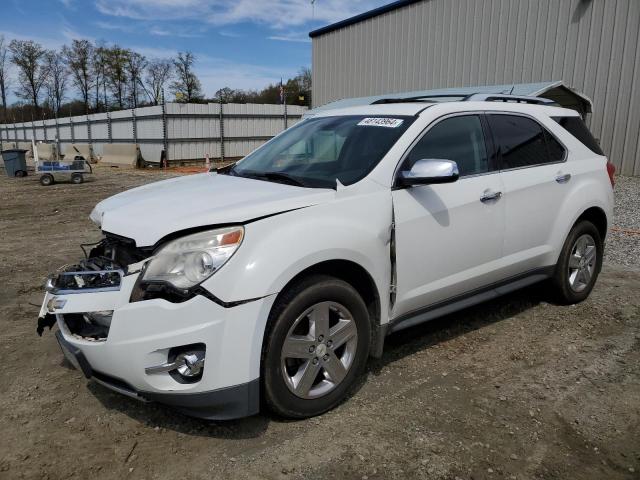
[590, 191]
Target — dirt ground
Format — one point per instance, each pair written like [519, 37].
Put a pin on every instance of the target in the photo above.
[514, 389]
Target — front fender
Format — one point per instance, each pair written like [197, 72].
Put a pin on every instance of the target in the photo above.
[278, 248]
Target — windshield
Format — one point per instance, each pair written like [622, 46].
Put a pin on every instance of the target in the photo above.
[318, 151]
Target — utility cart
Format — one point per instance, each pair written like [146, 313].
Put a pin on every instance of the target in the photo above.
[54, 171]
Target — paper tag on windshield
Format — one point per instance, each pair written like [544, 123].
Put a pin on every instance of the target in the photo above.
[380, 122]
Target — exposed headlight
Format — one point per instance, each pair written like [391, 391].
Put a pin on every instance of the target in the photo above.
[189, 260]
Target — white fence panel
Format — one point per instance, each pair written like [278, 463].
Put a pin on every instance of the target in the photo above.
[187, 131]
[80, 132]
[65, 132]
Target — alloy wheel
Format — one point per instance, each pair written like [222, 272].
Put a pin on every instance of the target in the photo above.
[582, 262]
[319, 349]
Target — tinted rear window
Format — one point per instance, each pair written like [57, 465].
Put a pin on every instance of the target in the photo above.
[576, 127]
[522, 142]
[556, 150]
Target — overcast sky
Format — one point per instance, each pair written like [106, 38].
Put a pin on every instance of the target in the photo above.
[238, 43]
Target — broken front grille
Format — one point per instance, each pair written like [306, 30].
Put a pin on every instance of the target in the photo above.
[101, 270]
[78, 280]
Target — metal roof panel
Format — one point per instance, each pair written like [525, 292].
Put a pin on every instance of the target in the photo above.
[363, 16]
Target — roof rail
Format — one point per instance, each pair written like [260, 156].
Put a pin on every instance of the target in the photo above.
[423, 98]
[493, 97]
[464, 97]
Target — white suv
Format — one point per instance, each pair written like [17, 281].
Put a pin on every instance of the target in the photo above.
[275, 279]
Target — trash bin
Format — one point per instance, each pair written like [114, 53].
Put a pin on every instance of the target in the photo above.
[15, 162]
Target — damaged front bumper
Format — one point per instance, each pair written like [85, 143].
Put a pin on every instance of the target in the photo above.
[116, 342]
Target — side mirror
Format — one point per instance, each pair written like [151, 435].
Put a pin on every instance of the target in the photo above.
[429, 171]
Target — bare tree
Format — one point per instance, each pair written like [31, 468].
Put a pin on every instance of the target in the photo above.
[99, 73]
[78, 57]
[186, 87]
[4, 75]
[27, 55]
[225, 95]
[56, 82]
[136, 63]
[116, 73]
[304, 78]
[158, 74]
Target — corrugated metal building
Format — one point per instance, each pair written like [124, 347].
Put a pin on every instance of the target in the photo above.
[593, 46]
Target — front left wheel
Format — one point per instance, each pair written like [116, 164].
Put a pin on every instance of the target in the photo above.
[46, 180]
[316, 347]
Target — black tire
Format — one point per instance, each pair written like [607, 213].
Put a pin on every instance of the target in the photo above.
[77, 178]
[46, 180]
[561, 282]
[20, 173]
[289, 306]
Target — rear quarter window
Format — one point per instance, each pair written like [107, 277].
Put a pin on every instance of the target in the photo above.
[576, 127]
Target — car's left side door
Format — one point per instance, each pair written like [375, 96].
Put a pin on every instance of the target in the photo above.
[448, 237]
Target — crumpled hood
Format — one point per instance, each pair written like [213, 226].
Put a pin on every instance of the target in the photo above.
[147, 214]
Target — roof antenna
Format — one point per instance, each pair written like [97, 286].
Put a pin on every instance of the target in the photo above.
[512, 87]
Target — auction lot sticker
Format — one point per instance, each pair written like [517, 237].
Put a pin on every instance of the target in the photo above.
[380, 122]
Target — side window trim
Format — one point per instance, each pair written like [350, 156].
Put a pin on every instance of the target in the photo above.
[544, 130]
[495, 164]
[488, 148]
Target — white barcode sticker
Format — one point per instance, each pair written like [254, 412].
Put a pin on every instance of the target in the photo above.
[380, 122]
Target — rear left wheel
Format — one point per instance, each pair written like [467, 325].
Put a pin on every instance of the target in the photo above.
[579, 263]
[316, 347]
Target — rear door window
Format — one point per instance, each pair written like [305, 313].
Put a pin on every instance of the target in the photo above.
[555, 148]
[522, 142]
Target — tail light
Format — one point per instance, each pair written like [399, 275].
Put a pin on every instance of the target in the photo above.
[611, 170]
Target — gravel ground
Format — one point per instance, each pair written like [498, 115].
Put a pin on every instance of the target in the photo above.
[623, 246]
[517, 388]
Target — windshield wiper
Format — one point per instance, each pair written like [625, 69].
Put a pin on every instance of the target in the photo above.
[274, 176]
[286, 177]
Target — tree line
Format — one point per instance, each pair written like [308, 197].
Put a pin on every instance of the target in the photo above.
[296, 91]
[85, 77]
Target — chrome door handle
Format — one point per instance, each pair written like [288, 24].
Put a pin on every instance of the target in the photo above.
[563, 178]
[487, 197]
